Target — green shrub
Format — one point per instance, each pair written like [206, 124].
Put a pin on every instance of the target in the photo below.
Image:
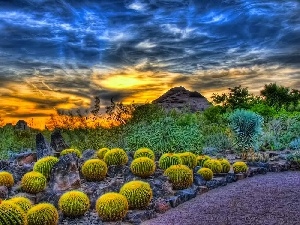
[42, 214]
[33, 182]
[206, 173]
[112, 206]
[294, 158]
[116, 156]
[144, 152]
[12, 214]
[44, 165]
[169, 159]
[142, 167]
[6, 179]
[94, 170]
[295, 144]
[181, 176]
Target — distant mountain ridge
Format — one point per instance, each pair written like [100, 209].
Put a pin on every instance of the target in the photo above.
[180, 98]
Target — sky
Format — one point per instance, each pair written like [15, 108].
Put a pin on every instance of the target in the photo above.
[60, 54]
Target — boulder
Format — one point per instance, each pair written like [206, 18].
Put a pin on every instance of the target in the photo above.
[57, 142]
[42, 147]
[24, 158]
[3, 192]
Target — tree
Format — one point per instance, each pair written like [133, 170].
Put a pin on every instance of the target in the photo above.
[96, 109]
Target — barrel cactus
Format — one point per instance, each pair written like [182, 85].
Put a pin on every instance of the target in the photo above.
[143, 167]
[214, 165]
[181, 176]
[71, 150]
[101, 152]
[169, 159]
[239, 167]
[116, 156]
[112, 206]
[42, 214]
[138, 194]
[44, 165]
[225, 165]
[189, 159]
[206, 173]
[201, 159]
[6, 179]
[12, 214]
[74, 203]
[22, 202]
[144, 152]
[33, 182]
[94, 170]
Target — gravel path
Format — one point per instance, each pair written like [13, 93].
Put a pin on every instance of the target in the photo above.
[271, 199]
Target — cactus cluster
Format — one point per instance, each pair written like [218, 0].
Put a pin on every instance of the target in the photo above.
[116, 156]
[12, 214]
[143, 167]
[42, 214]
[71, 150]
[144, 152]
[44, 165]
[112, 206]
[225, 165]
[138, 194]
[181, 176]
[201, 159]
[169, 159]
[257, 157]
[74, 203]
[101, 152]
[6, 179]
[239, 167]
[206, 173]
[94, 170]
[214, 165]
[33, 182]
[189, 159]
[22, 202]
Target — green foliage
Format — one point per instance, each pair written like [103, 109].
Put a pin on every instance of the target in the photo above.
[214, 114]
[44, 165]
[266, 111]
[101, 152]
[181, 176]
[239, 167]
[42, 214]
[116, 156]
[144, 152]
[112, 206]
[219, 141]
[247, 126]
[142, 167]
[147, 113]
[169, 159]
[295, 144]
[213, 164]
[12, 214]
[6, 179]
[294, 158]
[189, 159]
[74, 203]
[71, 150]
[138, 194]
[94, 170]
[24, 203]
[33, 182]
[225, 165]
[206, 173]
[201, 159]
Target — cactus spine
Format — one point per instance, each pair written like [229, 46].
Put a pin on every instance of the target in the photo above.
[169, 159]
[181, 176]
[142, 167]
[33, 182]
[206, 173]
[12, 214]
[214, 165]
[240, 167]
[42, 214]
[201, 159]
[71, 150]
[23, 202]
[225, 165]
[189, 159]
[116, 156]
[101, 152]
[44, 165]
[94, 170]
[144, 152]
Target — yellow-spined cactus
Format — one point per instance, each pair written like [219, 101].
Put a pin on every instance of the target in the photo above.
[169, 159]
[74, 203]
[33, 182]
[201, 159]
[42, 214]
[116, 156]
[71, 150]
[239, 167]
[206, 173]
[181, 176]
[101, 152]
[94, 170]
[214, 165]
[144, 152]
[12, 214]
[23, 202]
[225, 165]
[112, 206]
[142, 167]
[189, 159]
[138, 194]
[44, 165]
[6, 179]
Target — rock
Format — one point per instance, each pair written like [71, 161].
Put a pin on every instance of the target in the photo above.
[65, 174]
[138, 216]
[187, 194]
[42, 147]
[18, 171]
[24, 158]
[49, 196]
[88, 154]
[3, 192]
[161, 205]
[174, 201]
[202, 190]
[198, 180]
[114, 171]
[89, 218]
[4, 164]
[231, 177]
[241, 176]
[216, 182]
[57, 142]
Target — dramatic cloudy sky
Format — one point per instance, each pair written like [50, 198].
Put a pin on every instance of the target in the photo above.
[58, 54]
